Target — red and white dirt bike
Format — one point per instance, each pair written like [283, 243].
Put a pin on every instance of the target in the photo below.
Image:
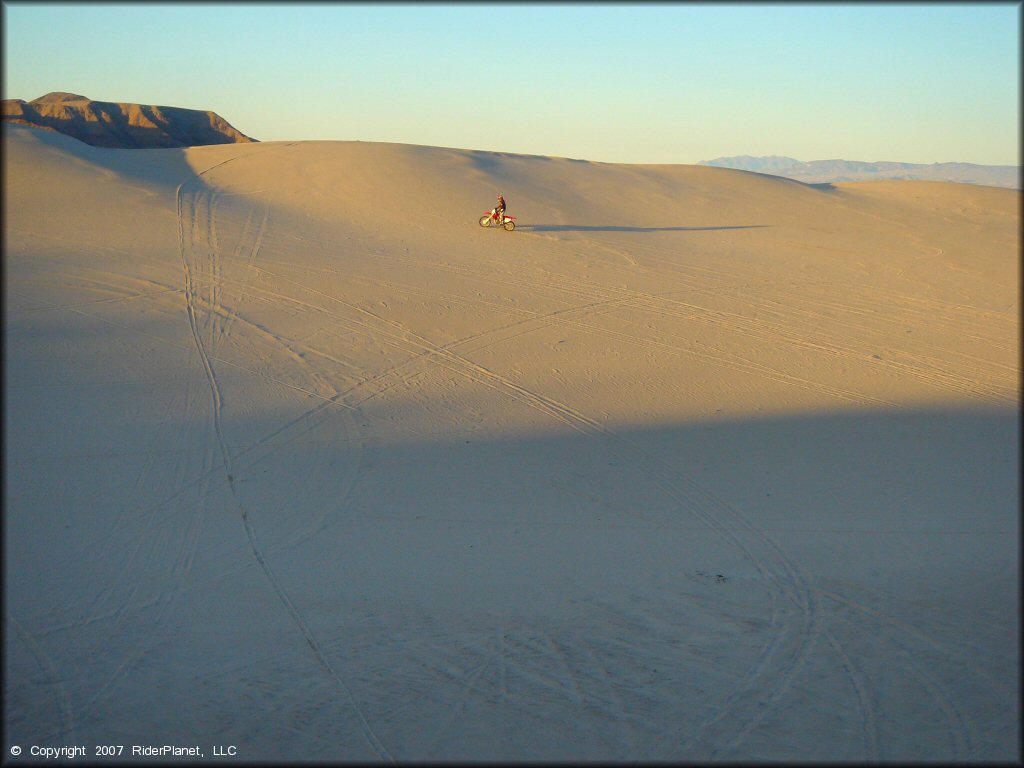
[490, 218]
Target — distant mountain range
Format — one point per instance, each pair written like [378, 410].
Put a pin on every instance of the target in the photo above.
[125, 126]
[821, 171]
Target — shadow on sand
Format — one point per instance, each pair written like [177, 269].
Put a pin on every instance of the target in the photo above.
[614, 228]
[163, 166]
[412, 542]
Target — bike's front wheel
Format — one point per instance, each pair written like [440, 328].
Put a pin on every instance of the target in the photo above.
[485, 221]
[509, 226]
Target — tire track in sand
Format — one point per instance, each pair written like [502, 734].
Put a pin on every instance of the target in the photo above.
[228, 466]
[66, 720]
[790, 648]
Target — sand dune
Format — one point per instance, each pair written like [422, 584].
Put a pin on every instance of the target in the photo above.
[695, 464]
[121, 125]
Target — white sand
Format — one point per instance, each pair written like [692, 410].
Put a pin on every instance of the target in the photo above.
[695, 464]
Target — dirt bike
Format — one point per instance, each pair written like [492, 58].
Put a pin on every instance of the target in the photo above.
[491, 217]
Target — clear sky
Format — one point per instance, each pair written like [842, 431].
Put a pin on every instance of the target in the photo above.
[657, 83]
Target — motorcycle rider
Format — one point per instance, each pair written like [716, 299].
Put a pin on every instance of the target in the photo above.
[499, 210]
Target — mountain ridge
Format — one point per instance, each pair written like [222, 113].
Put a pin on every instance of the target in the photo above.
[821, 171]
[122, 125]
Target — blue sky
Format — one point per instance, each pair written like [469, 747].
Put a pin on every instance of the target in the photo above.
[657, 83]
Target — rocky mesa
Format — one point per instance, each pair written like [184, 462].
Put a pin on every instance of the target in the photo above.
[122, 125]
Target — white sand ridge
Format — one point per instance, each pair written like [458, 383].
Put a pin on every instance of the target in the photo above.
[694, 464]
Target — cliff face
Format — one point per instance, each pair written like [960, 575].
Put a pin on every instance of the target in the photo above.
[120, 125]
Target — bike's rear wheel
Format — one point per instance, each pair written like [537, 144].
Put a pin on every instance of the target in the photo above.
[485, 221]
[509, 226]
